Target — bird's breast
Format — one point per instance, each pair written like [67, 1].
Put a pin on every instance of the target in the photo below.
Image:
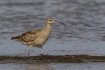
[43, 37]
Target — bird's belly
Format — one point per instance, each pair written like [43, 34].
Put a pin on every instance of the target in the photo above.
[41, 40]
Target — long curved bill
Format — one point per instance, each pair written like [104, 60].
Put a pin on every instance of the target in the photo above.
[60, 22]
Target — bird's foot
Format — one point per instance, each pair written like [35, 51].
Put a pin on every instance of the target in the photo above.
[43, 54]
[28, 53]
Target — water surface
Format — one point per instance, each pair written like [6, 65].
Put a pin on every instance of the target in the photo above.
[84, 34]
[53, 66]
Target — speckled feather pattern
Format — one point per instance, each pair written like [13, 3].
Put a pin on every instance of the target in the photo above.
[34, 38]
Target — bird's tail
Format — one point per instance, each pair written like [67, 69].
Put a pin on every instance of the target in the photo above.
[16, 37]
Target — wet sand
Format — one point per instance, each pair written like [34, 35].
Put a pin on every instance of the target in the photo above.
[80, 46]
[53, 66]
[53, 59]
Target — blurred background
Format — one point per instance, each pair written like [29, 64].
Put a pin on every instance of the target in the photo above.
[84, 34]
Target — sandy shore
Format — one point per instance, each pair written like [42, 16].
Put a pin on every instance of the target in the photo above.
[52, 58]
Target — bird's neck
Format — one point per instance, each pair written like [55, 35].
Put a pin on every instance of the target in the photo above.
[47, 27]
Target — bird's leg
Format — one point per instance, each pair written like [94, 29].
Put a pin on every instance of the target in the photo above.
[41, 51]
[30, 46]
[28, 52]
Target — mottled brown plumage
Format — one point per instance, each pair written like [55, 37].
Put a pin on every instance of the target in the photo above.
[37, 37]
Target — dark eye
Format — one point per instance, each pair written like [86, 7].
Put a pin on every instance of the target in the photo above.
[50, 20]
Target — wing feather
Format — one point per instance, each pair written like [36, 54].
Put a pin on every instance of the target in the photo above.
[28, 36]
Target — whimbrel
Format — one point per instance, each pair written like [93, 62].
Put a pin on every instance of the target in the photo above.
[36, 37]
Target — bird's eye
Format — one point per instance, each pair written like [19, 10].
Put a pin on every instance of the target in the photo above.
[50, 20]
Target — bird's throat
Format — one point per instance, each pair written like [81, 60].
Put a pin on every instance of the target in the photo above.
[48, 27]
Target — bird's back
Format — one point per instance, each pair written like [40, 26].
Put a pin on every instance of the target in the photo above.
[35, 38]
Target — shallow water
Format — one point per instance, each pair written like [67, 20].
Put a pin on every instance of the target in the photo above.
[84, 34]
[53, 66]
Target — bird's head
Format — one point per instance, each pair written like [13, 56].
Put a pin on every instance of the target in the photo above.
[52, 21]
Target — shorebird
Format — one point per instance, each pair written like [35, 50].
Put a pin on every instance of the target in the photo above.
[37, 37]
